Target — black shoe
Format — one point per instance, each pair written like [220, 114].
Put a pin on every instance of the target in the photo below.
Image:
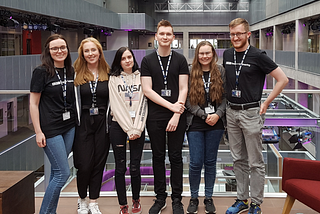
[193, 206]
[209, 206]
[177, 206]
[158, 206]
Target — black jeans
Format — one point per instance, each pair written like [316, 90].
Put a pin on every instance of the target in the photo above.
[118, 140]
[157, 133]
[90, 151]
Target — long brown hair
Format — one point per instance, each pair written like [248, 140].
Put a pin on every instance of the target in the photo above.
[81, 69]
[196, 91]
[47, 60]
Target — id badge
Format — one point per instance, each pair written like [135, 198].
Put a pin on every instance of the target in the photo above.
[94, 111]
[236, 93]
[166, 93]
[132, 114]
[209, 110]
[66, 115]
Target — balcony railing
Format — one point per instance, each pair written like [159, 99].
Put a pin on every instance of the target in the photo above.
[202, 7]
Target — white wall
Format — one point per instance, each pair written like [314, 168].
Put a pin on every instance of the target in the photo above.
[289, 41]
[117, 40]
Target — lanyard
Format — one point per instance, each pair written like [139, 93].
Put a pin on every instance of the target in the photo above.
[235, 64]
[93, 91]
[206, 85]
[64, 87]
[164, 73]
[129, 89]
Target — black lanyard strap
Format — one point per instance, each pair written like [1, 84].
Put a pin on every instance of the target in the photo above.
[129, 89]
[93, 90]
[64, 87]
[206, 85]
[240, 67]
[164, 72]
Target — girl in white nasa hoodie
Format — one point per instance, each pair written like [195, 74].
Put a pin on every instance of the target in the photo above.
[129, 114]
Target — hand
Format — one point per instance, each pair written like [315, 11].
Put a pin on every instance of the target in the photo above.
[41, 140]
[133, 137]
[212, 119]
[263, 108]
[178, 107]
[173, 123]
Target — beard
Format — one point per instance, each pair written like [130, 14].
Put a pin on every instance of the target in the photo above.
[240, 44]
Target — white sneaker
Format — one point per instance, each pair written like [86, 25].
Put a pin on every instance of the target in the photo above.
[94, 208]
[82, 206]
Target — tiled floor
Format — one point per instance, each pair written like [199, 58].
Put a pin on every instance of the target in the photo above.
[109, 205]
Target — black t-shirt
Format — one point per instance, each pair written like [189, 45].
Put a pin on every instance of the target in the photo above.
[102, 95]
[252, 75]
[150, 67]
[198, 124]
[51, 105]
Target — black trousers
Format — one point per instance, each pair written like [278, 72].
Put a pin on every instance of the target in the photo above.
[118, 140]
[90, 151]
[157, 134]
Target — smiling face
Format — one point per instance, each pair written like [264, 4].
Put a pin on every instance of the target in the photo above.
[91, 53]
[205, 57]
[164, 36]
[240, 43]
[127, 61]
[58, 51]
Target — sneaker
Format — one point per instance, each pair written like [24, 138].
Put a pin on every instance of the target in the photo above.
[82, 206]
[254, 209]
[94, 208]
[238, 207]
[193, 206]
[136, 207]
[124, 209]
[177, 206]
[209, 206]
[157, 207]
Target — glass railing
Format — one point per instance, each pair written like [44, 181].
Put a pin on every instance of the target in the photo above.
[24, 154]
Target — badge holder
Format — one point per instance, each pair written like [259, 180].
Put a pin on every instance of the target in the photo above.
[66, 115]
[132, 114]
[209, 109]
[165, 92]
[236, 93]
[94, 110]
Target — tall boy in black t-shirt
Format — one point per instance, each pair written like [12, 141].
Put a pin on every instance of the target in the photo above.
[164, 80]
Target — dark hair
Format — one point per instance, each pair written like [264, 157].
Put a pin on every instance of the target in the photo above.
[47, 60]
[116, 64]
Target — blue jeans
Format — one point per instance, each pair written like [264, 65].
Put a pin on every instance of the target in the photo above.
[203, 150]
[57, 150]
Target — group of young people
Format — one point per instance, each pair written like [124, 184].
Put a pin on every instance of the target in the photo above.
[70, 111]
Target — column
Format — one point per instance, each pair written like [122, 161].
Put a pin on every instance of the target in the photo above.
[185, 44]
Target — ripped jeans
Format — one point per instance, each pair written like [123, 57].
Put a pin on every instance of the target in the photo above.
[118, 140]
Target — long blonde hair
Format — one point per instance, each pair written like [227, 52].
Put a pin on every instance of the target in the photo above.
[196, 91]
[81, 69]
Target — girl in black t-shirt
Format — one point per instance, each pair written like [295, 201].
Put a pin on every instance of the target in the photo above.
[53, 114]
[206, 106]
[91, 146]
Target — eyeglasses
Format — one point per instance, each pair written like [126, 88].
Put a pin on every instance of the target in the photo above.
[56, 49]
[201, 54]
[232, 35]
